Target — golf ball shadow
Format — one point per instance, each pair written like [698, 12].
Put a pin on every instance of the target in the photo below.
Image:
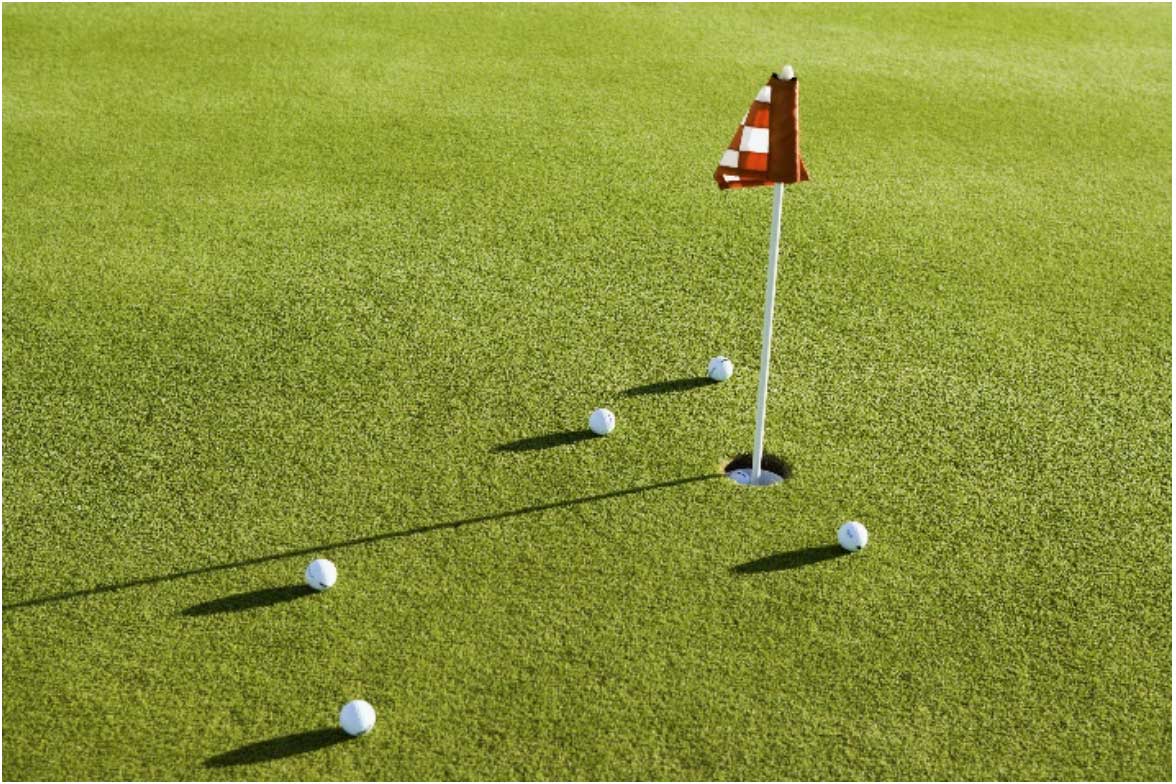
[278, 748]
[249, 600]
[794, 559]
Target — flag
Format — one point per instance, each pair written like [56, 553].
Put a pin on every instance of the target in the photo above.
[766, 147]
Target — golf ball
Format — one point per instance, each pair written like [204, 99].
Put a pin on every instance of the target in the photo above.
[720, 369]
[852, 536]
[357, 717]
[321, 574]
[602, 421]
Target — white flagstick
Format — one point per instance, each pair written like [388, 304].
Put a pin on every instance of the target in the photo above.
[761, 400]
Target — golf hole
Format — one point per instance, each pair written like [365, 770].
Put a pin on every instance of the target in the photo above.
[773, 471]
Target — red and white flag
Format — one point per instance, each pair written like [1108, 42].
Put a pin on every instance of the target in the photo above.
[766, 147]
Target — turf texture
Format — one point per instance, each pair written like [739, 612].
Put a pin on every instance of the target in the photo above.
[346, 281]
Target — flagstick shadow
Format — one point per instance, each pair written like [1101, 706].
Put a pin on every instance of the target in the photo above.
[545, 441]
[326, 547]
[278, 748]
[676, 385]
[790, 560]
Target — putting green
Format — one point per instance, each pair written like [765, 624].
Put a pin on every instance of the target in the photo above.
[345, 282]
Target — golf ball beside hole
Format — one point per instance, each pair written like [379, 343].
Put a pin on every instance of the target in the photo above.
[357, 717]
[602, 421]
[720, 369]
[321, 574]
[852, 536]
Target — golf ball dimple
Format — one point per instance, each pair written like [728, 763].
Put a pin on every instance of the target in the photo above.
[602, 421]
[720, 369]
[357, 717]
[852, 536]
[321, 574]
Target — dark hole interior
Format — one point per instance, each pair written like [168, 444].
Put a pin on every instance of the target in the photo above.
[768, 463]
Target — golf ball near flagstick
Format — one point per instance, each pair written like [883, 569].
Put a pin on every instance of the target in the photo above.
[720, 369]
[357, 717]
[602, 421]
[321, 574]
[852, 536]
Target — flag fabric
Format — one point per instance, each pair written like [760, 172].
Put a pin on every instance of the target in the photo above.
[766, 147]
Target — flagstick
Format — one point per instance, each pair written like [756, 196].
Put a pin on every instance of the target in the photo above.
[761, 400]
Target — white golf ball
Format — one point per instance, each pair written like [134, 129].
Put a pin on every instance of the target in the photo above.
[357, 717]
[321, 574]
[787, 73]
[852, 536]
[602, 421]
[720, 369]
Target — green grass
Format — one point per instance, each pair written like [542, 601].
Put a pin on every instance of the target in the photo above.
[279, 280]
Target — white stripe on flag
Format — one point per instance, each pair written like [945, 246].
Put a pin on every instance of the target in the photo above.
[754, 140]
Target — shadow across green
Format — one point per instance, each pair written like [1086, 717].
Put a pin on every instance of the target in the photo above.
[329, 546]
[790, 560]
[278, 748]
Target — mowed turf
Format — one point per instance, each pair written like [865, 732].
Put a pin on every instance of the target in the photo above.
[342, 281]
